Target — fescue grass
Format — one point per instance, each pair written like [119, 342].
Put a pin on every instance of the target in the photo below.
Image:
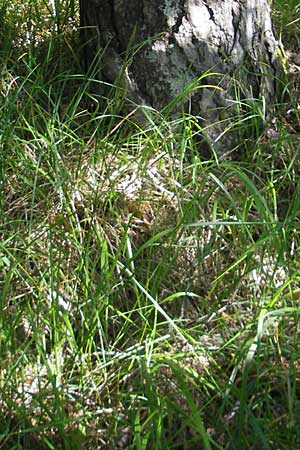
[149, 296]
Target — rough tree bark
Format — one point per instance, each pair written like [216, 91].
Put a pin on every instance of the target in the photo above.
[180, 41]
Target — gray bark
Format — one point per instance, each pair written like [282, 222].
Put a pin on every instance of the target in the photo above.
[179, 41]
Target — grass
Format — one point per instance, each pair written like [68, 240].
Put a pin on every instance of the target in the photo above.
[149, 298]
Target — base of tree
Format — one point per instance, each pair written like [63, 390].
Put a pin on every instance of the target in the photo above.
[217, 59]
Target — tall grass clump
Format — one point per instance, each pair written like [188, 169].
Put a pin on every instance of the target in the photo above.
[149, 296]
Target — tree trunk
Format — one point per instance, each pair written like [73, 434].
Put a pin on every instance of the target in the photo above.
[167, 45]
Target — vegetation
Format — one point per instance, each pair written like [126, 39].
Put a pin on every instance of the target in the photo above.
[149, 296]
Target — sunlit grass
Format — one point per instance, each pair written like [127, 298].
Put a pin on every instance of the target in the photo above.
[149, 296]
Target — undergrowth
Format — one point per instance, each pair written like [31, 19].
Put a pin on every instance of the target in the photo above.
[149, 297]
